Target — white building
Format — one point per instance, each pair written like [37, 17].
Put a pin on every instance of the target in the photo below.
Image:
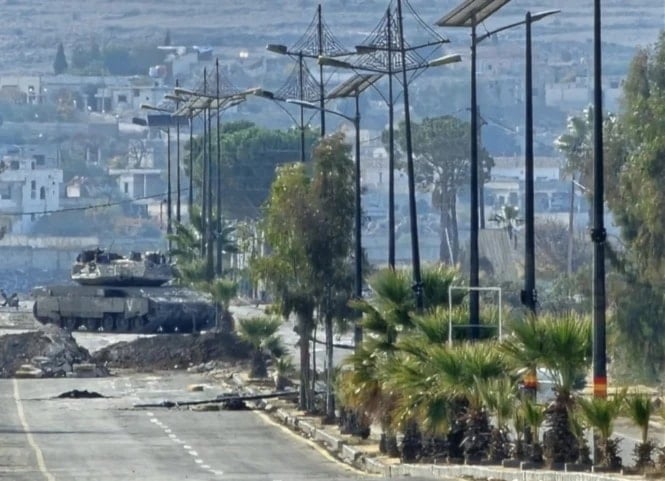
[28, 190]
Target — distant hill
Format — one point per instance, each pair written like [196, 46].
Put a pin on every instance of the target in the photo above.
[32, 28]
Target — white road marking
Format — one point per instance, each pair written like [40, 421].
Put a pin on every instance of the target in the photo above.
[41, 464]
[169, 432]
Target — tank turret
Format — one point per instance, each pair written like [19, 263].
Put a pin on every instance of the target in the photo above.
[98, 267]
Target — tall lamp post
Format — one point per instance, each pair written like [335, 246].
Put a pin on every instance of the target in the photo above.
[164, 121]
[469, 14]
[598, 233]
[353, 87]
[415, 250]
[219, 103]
[529, 295]
[382, 52]
[317, 40]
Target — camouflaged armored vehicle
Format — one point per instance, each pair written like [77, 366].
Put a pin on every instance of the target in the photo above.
[123, 294]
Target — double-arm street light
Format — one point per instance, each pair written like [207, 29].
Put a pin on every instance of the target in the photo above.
[317, 41]
[469, 14]
[384, 51]
[447, 59]
[279, 101]
[208, 102]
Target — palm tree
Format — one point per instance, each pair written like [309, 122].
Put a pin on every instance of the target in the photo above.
[534, 415]
[600, 414]
[499, 396]
[261, 334]
[639, 409]
[385, 314]
[560, 344]
[223, 291]
[440, 386]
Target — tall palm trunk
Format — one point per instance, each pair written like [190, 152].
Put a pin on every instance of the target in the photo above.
[449, 242]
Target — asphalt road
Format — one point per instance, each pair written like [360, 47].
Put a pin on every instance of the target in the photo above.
[43, 438]
[106, 439]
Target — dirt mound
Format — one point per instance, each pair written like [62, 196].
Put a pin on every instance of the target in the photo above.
[172, 351]
[47, 352]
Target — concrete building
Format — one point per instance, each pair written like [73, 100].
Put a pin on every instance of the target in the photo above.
[29, 189]
[21, 89]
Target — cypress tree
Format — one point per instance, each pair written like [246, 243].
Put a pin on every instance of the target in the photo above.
[60, 62]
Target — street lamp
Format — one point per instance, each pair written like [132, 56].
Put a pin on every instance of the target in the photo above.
[169, 230]
[444, 60]
[270, 95]
[212, 241]
[353, 87]
[469, 14]
[318, 40]
[529, 295]
[598, 233]
[385, 41]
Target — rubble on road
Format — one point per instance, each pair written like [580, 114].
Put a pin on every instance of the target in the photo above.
[173, 351]
[76, 394]
[46, 352]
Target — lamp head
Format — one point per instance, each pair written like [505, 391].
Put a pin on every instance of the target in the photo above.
[277, 48]
[333, 62]
[540, 15]
[445, 60]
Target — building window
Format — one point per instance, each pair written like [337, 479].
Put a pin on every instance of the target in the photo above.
[42, 193]
[33, 189]
[126, 187]
[136, 92]
[122, 98]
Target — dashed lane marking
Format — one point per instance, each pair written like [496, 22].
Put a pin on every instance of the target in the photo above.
[169, 432]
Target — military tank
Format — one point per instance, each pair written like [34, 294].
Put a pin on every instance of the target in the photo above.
[114, 293]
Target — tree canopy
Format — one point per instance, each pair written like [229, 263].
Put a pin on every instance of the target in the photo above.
[308, 227]
[250, 155]
[442, 147]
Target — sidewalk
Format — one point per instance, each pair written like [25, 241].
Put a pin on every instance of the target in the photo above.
[364, 454]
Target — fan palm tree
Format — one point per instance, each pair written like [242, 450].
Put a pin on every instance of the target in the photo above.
[499, 395]
[600, 414]
[261, 334]
[534, 415]
[639, 409]
[223, 291]
[444, 386]
[560, 344]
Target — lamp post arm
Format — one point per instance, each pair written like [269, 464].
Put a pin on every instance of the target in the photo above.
[309, 105]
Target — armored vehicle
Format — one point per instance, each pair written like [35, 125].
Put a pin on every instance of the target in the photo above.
[114, 293]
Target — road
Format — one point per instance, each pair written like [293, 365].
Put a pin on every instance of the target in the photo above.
[106, 439]
[42, 437]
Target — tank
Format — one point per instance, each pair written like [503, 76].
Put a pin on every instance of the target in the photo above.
[114, 293]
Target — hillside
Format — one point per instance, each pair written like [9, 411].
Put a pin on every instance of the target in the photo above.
[32, 28]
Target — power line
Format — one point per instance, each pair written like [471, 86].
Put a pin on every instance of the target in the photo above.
[87, 207]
